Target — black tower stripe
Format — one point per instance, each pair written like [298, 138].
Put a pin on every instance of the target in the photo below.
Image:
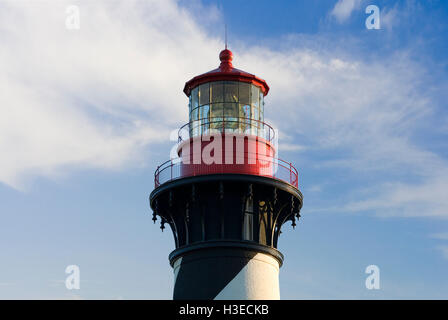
[204, 274]
[207, 268]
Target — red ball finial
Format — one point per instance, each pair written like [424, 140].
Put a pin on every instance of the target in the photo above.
[226, 57]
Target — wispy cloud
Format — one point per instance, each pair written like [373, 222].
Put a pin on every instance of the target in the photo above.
[444, 247]
[440, 236]
[343, 9]
[444, 250]
[5, 284]
[94, 97]
[422, 199]
[399, 13]
[290, 147]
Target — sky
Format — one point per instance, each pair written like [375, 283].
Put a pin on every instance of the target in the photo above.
[86, 115]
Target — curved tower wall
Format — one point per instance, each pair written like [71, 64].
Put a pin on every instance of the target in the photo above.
[227, 274]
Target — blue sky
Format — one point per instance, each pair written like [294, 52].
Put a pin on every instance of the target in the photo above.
[86, 117]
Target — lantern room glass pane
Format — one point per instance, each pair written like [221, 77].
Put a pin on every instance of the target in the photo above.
[230, 91]
[231, 116]
[230, 110]
[216, 115]
[255, 122]
[189, 105]
[245, 114]
[245, 111]
[227, 105]
[204, 94]
[216, 110]
[255, 96]
[195, 114]
[204, 116]
[194, 98]
[244, 93]
[217, 91]
[204, 112]
[194, 123]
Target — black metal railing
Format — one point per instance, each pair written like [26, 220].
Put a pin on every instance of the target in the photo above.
[270, 167]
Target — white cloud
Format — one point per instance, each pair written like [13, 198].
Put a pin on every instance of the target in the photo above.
[344, 8]
[440, 236]
[290, 147]
[444, 250]
[400, 14]
[390, 17]
[314, 188]
[425, 199]
[98, 96]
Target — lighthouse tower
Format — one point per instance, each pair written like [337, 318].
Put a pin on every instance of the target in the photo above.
[227, 196]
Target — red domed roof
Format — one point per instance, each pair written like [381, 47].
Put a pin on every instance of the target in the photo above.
[226, 72]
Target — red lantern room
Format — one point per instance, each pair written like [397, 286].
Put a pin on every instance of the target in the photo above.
[226, 132]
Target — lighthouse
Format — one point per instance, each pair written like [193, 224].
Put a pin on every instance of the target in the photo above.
[226, 197]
